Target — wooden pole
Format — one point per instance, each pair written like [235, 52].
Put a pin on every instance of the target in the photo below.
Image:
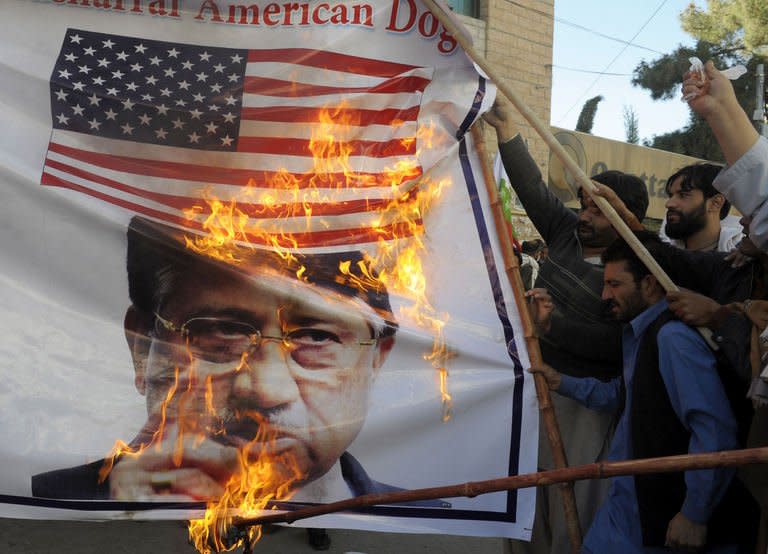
[556, 148]
[600, 470]
[546, 409]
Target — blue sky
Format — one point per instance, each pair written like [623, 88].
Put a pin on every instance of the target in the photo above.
[575, 48]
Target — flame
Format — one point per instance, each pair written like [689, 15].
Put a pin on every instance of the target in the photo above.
[444, 394]
[121, 448]
[231, 226]
[225, 225]
[263, 477]
[404, 273]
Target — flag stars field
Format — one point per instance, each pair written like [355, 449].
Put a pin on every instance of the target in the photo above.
[159, 71]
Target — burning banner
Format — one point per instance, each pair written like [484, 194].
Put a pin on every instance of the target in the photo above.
[315, 305]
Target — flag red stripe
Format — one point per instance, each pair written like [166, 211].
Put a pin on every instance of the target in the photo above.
[255, 211]
[361, 118]
[277, 87]
[334, 237]
[53, 181]
[324, 59]
[170, 200]
[229, 176]
[300, 147]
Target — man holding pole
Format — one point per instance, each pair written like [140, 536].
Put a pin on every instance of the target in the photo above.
[583, 340]
[671, 400]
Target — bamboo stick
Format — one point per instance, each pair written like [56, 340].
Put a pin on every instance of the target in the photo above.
[546, 409]
[600, 470]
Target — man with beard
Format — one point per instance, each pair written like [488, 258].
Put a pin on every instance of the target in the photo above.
[695, 210]
[583, 340]
[671, 400]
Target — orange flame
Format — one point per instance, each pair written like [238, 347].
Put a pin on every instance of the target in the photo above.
[231, 226]
[403, 268]
[400, 266]
[121, 448]
[263, 477]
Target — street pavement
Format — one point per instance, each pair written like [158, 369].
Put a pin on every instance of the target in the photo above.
[170, 537]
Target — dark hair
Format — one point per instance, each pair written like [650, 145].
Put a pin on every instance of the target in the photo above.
[620, 251]
[699, 176]
[629, 188]
[156, 258]
[530, 247]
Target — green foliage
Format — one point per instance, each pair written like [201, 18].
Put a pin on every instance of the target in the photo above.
[587, 115]
[663, 78]
[631, 125]
[695, 140]
[505, 195]
[736, 23]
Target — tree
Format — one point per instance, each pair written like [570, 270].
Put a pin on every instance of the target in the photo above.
[738, 23]
[587, 115]
[728, 32]
[663, 76]
[631, 125]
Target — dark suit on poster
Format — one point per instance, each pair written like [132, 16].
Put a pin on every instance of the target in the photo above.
[82, 483]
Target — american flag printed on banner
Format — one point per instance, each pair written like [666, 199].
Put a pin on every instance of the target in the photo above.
[150, 125]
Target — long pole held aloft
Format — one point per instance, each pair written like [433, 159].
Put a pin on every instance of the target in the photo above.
[546, 409]
[556, 148]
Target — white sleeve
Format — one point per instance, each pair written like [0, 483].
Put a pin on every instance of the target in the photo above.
[745, 185]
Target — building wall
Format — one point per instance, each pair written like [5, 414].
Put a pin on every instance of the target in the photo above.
[516, 38]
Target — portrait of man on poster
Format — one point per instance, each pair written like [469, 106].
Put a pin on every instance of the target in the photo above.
[242, 357]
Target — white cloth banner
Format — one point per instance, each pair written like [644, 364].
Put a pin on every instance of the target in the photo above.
[122, 120]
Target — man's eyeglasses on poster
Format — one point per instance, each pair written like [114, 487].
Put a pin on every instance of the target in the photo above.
[222, 340]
